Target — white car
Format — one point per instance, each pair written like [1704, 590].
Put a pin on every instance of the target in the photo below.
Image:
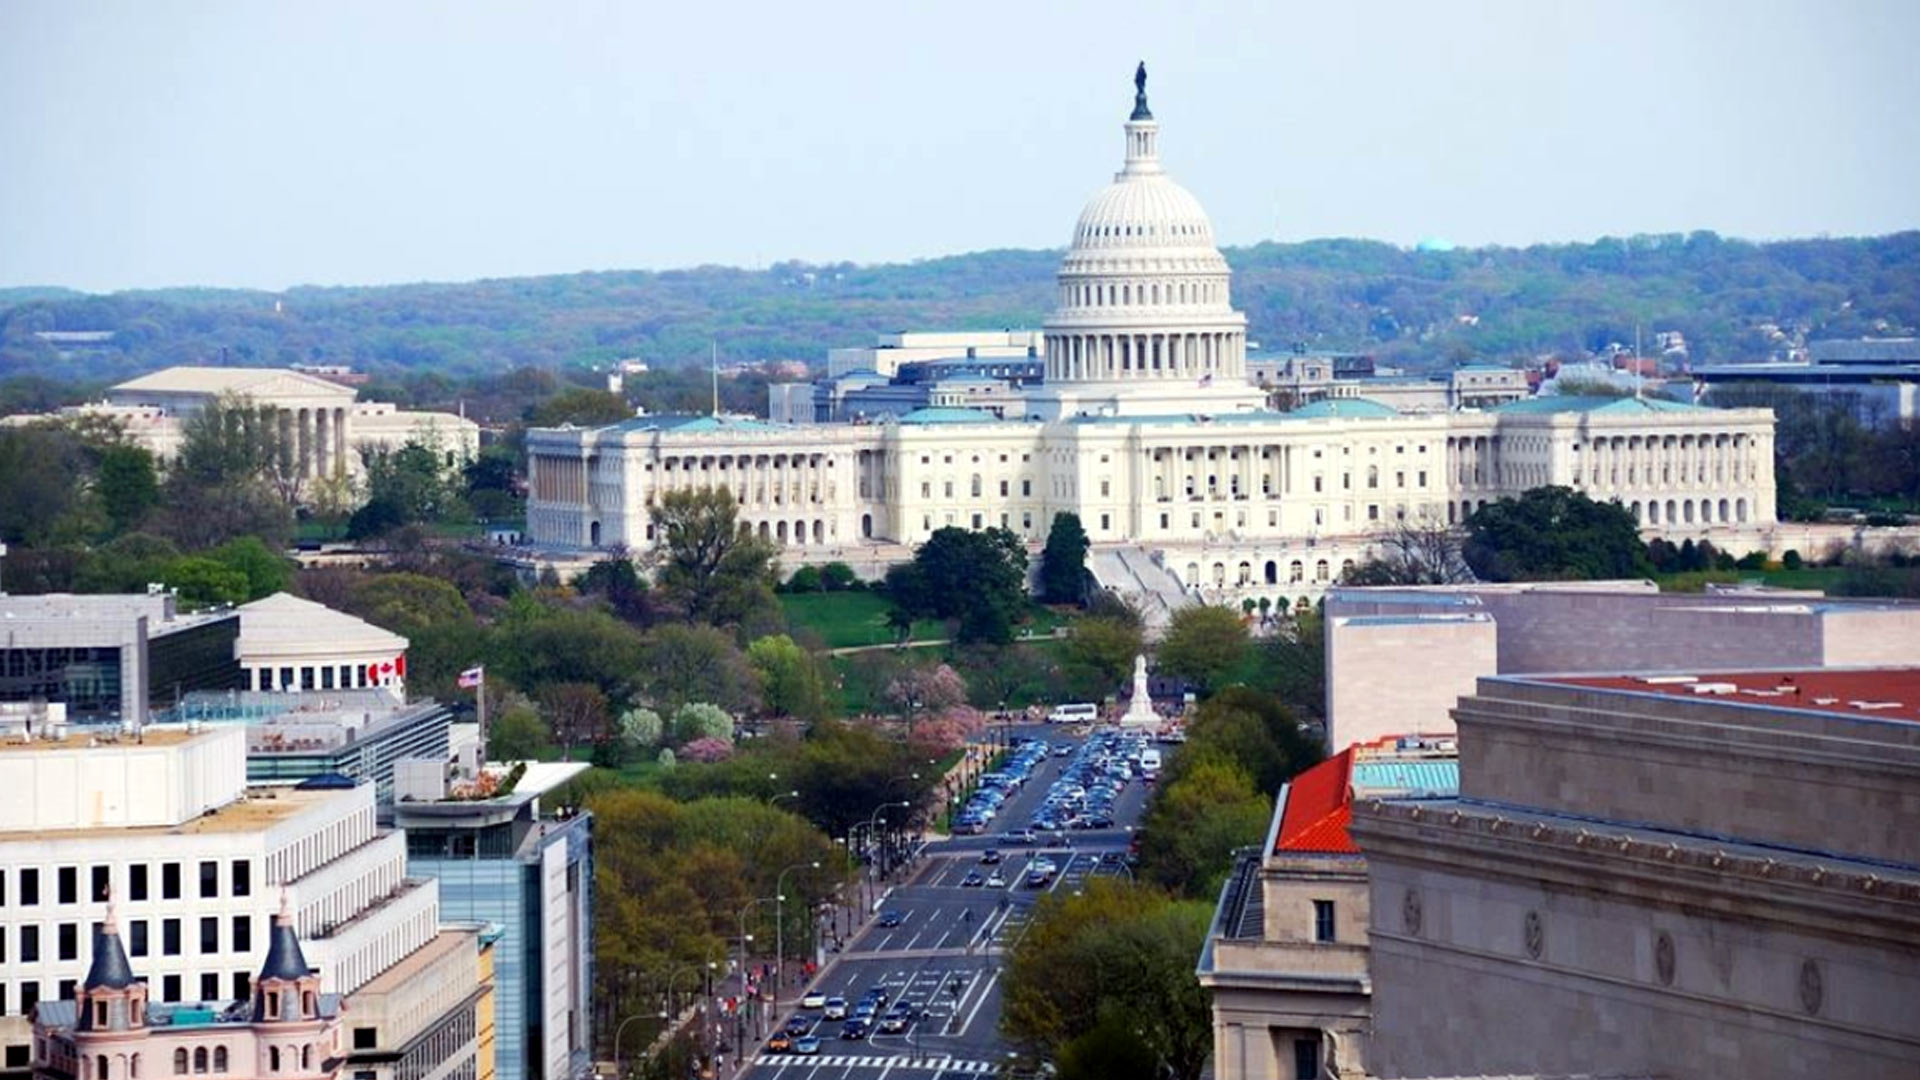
[836, 1008]
[995, 881]
[813, 999]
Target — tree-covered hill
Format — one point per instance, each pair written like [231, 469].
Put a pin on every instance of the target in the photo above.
[1415, 307]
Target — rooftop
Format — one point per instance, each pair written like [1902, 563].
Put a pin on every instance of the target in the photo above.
[1880, 694]
[1317, 806]
[948, 416]
[283, 623]
[417, 961]
[1354, 408]
[79, 737]
[1593, 403]
[234, 380]
[689, 424]
[262, 809]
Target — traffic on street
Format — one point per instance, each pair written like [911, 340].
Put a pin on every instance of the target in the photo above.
[918, 987]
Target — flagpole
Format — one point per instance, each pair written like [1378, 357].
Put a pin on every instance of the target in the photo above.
[480, 693]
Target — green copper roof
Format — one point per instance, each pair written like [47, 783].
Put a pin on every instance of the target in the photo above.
[1589, 403]
[948, 416]
[681, 424]
[1354, 408]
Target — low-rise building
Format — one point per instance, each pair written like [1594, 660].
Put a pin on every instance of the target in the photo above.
[289, 643]
[1286, 957]
[108, 658]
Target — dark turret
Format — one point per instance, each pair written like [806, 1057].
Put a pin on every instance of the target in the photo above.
[111, 998]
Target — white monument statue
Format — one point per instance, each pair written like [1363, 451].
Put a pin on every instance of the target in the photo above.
[1140, 710]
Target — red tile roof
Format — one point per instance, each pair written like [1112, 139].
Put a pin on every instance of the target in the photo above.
[1872, 693]
[1319, 807]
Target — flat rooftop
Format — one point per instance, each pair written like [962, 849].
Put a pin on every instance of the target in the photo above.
[261, 809]
[80, 737]
[1890, 694]
[417, 961]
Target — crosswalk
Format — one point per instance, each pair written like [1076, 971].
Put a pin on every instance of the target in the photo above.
[875, 1061]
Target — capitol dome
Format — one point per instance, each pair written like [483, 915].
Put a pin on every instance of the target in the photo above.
[1144, 295]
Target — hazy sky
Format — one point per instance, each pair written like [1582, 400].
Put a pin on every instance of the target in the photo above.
[147, 142]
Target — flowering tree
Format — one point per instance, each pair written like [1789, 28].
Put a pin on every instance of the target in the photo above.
[927, 689]
[641, 727]
[699, 720]
[949, 730]
[707, 749]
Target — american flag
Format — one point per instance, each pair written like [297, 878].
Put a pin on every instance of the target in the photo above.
[1207, 379]
[472, 677]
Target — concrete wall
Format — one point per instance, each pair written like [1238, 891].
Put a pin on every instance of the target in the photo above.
[1397, 676]
[77, 786]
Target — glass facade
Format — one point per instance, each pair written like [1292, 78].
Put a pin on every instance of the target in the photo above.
[87, 679]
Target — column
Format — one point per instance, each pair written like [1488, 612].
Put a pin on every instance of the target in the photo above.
[340, 443]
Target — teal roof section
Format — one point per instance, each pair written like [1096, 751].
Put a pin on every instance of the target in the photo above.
[683, 424]
[1592, 403]
[1353, 408]
[1440, 776]
[1247, 416]
[948, 416]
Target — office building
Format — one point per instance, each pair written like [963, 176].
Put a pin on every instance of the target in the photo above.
[109, 658]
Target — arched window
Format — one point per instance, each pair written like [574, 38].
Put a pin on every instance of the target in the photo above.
[100, 1066]
[199, 1059]
[306, 1059]
[866, 526]
[219, 1059]
[273, 1059]
[180, 1062]
[976, 485]
[133, 1067]
[1296, 571]
[1273, 572]
[1320, 570]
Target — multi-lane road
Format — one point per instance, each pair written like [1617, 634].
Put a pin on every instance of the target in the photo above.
[944, 958]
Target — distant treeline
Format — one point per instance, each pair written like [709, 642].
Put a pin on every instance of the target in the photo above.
[1416, 307]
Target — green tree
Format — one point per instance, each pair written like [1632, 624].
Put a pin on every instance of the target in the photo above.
[680, 663]
[1114, 957]
[1197, 820]
[1203, 643]
[127, 484]
[127, 564]
[805, 580]
[1063, 563]
[1254, 730]
[1099, 655]
[838, 577]
[581, 407]
[576, 713]
[977, 578]
[203, 581]
[1554, 534]
[790, 678]
[413, 483]
[711, 568]
[409, 603]
[518, 733]
[237, 474]
[41, 472]
[267, 572]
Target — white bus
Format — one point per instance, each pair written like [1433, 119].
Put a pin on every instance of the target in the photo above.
[1081, 713]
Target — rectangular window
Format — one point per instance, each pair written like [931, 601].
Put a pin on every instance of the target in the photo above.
[67, 987]
[1103, 523]
[137, 881]
[137, 937]
[1104, 489]
[170, 881]
[242, 933]
[1346, 481]
[170, 989]
[1323, 920]
[210, 986]
[1003, 488]
[102, 883]
[29, 944]
[1373, 512]
[69, 884]
[1163, 521]
[209, 879]
[366, 1038]
[286, 678]
[69, 941]
[170, 937]
[926, 489]
[1423, 478]
[29, 997]
[1026, 487]
[209, 934]
[326, 683]
[242, 986]
[1306, 1059]
[242, 878]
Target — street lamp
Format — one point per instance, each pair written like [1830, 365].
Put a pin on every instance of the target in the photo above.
[739, 1029]
[617, 1032]
[779, 928]
[873, 822]
[783, 795]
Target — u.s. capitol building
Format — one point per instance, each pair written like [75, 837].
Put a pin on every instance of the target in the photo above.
[1146, 426]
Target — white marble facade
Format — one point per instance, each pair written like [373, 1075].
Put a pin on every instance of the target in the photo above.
[1148, 429]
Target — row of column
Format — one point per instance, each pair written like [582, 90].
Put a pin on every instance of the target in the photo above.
[1120, 357]
[754, 479]
[1169, 472]
[1686, 461]
[314, 440]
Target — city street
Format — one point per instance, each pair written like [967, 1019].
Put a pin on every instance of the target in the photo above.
[944, 958]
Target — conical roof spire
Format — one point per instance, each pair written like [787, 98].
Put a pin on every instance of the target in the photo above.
[284, 959]
[109, 968]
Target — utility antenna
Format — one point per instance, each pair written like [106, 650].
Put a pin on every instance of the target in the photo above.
[1638, 378]
[716, 379]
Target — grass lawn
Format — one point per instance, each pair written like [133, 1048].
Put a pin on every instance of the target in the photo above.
[844, 619]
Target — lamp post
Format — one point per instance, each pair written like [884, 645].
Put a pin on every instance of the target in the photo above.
[779, 928]
[775, 801]
[617, 1032]
[745, 938]
[873, 822]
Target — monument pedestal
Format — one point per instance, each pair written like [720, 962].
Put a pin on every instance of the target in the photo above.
[1140, 710]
